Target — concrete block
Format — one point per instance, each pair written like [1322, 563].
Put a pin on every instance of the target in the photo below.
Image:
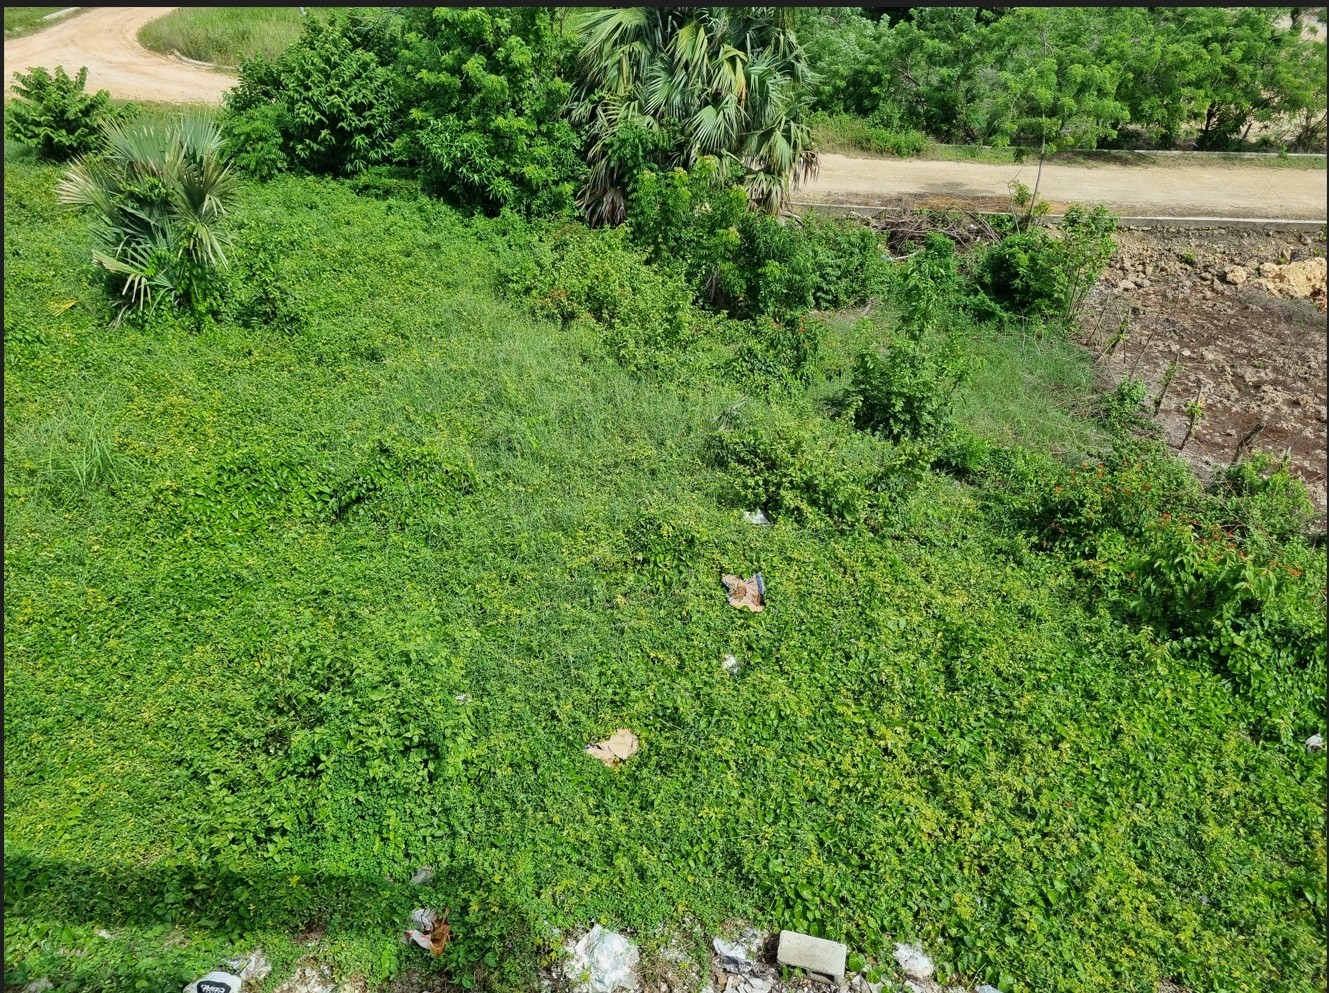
[820, 959]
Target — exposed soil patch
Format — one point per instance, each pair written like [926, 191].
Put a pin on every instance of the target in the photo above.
[1253, 355]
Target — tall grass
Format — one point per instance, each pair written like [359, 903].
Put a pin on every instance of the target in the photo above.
[224, 36]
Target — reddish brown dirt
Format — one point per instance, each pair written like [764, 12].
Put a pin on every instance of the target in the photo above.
[1251, 355]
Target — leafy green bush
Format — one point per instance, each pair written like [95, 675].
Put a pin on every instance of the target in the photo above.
[159, 194]
[904, 391]
[56, 116]
[577, 273]
[333, 101]
[485, 91]
[847, 133]
[847, 261]
[254, 142]
[1034, 274]
[1263, 502]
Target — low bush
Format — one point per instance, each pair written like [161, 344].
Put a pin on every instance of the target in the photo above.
[847, 133]
[56, 116]
[1034, 274]
[160, 194]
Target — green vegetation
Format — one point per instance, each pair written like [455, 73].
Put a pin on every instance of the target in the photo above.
[339, 581]
[1071, 77]
[223, 36]
[54, 114]
[25, 20]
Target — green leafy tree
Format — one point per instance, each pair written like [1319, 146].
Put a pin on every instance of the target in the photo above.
[160, 194]
[668, 85]
[55, 114]
[485, 88]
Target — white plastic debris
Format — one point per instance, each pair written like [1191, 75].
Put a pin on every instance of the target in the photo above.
[1315, 743]
[757, 517]
[603, 961]
[256, 968]
[730, 955]
[913, 961]
[730, 665]
[423, 875]
[462, 698]
[987, 989]
[215, 982]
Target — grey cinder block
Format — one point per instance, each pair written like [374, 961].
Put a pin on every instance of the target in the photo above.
[819, 958]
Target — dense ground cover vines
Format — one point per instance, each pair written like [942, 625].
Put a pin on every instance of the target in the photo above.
[1071, 76]
[339, 581]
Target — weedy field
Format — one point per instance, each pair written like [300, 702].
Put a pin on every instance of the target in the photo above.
[341, 583]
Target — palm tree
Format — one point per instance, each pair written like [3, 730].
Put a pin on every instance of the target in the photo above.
[159, 195]
[664, 86]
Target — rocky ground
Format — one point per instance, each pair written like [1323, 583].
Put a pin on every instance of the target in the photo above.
[1242, 314]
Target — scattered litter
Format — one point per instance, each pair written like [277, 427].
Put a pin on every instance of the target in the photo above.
[434, 932]
[1315, 743]
[462, 698]
[913, 961]
[215, 982]
[38, 986]
[730, 665]
[101, 932]
[757, 517]
[602, 962]
[749, 593]
[58, 307]
[616, 749]
[423, 875]
[730, 955]
[253, 966]
[987, 989]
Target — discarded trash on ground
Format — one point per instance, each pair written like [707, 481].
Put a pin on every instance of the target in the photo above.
[730, 665]
[433, 934]
[423, 875]
[1315, 743]
[757, 517]
[253, 967]
[616, 749]
[602, 962]
[462, 698]
[731, 956]
[913, 961]
[215, 982]
[747, 984]
[58, 307]
[746, 593]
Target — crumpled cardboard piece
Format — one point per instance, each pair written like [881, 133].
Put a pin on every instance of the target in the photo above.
[746, 594]
[616, 749]
[433, 934]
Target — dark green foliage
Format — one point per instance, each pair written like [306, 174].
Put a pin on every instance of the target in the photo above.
[1265, 504]
[55, 115]
[905, 390]
[1035, 274]
[333, 102]
[847, 261]
[485, 90]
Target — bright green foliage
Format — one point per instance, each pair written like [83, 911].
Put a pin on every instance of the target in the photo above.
[1036, 274]
[224, 36]
[342, 601]
[159, 195]
[331, 97]
[678, 83]
[485, 92]
[55, 115]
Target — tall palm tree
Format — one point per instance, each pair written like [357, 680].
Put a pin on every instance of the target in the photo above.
[159, 195]
[664, 86]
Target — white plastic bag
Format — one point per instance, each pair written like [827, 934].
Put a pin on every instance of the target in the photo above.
[913, 961]
[604, 961]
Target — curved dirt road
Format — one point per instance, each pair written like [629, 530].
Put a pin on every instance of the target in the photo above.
[105, 40]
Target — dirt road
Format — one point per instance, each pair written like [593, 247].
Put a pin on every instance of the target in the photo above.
[1176, 189]
[105, 40]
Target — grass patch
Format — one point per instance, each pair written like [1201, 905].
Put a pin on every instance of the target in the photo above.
[21, 21]
[294, 608]
[223, 36]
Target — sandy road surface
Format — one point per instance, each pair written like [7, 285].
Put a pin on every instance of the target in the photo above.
[1177, 189]
[105, 40]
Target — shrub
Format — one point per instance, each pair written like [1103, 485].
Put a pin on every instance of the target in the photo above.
[1033, 274]
[333, 101]
[847, 261]
[56, 116]
[485, 90]
[904, 391]
[1263, 502]
[253, 141]
[159, 194]
[577, 273]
